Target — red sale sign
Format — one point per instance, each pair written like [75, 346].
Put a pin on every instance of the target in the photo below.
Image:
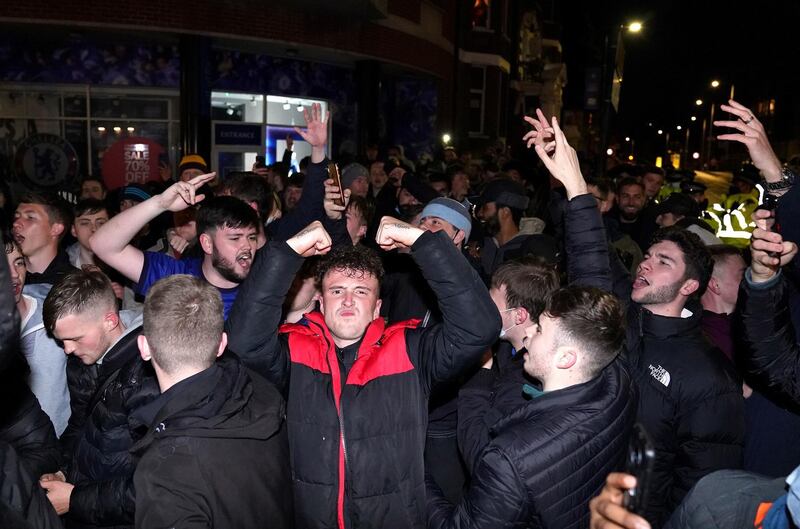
[131, 161]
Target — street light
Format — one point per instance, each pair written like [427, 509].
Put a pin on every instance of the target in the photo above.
[635, 27]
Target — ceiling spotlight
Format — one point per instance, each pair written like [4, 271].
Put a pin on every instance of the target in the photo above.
[287, 106]
[117, 129]
[627, 138]
[693, 118]
[698, 102]
[660, 131]
[299, 108]
[101, 129]
[229, 111]
[678, 127]
[610, 151]
[446, 138]
[714, 84]
[630, 157]
[696, 155]
[131, 129]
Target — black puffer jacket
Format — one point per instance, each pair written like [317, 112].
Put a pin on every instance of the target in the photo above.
[547, 459]
[357, 441]
[23, 502]
[491, 394]
[215, 454]
[770, 356]
[100, 465]
[25, 426]
[690, 403]
[690, 399]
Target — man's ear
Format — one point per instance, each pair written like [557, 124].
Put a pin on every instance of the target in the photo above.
[566, 357]
[713, 286]
[459, 238]
[206, 243]
[223, 343]
[377, 312]
[56, 229]
[72, 231]
[110, 321]
[521, 315]
[362, 231]
[144, 348]
[689, 287]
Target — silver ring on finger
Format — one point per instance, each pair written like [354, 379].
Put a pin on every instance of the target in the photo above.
[748, 120]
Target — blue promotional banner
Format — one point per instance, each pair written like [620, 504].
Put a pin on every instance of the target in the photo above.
[236, 134]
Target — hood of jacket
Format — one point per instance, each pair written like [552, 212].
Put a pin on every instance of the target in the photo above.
[225, 401]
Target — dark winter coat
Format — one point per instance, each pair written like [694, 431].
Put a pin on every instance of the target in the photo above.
[690, 403]
[357, 442]
[215, 454]
[547, 458]
[100, 464]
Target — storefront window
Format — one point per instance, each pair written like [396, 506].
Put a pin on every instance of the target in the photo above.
[52, 136]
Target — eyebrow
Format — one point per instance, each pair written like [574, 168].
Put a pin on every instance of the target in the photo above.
[355, 287]
[665, 257]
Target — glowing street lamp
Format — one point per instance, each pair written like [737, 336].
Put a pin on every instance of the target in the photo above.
[635, 27]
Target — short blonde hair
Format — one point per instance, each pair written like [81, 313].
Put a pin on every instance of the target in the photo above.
[183, 323]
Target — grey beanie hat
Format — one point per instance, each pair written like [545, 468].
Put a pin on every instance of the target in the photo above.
[450, 210]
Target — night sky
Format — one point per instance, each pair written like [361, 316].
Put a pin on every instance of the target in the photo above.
[684, 45]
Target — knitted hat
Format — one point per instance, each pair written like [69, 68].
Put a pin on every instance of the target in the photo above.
[351, 172]
[135, 193]
[450, 210]
[192, 161]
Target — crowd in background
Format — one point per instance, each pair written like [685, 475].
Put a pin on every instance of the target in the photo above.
[449, 342]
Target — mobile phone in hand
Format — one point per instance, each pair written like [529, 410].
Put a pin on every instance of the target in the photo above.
[639, 463]
[260, 162]
[333, 173]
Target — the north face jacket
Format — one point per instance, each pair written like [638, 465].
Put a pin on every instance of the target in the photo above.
[357, 441]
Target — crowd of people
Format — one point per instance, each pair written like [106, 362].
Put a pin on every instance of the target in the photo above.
[420, 345]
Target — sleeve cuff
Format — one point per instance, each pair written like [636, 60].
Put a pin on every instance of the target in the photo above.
[765, 285]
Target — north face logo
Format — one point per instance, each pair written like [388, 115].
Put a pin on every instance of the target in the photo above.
[660, 374]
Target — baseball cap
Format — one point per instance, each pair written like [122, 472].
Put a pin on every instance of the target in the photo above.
[504, 192]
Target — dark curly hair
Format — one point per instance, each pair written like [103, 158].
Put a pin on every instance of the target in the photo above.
[354, 260]
[696, 257]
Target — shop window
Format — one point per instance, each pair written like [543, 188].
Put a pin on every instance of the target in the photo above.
[52, 136]
[231, 106]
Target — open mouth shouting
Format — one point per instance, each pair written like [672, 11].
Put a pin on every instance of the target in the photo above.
[640, 282]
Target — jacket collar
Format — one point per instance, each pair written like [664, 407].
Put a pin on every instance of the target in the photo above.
[664, 327]
[601, 389]
[372, 336]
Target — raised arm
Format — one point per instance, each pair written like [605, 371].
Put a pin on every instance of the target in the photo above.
[752, 135]
[252, 324]
[771, 356]
[111, 243]
[309, 207]
[585, 237]
[470, 321]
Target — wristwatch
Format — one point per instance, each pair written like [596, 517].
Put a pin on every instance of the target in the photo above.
[787, 180]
